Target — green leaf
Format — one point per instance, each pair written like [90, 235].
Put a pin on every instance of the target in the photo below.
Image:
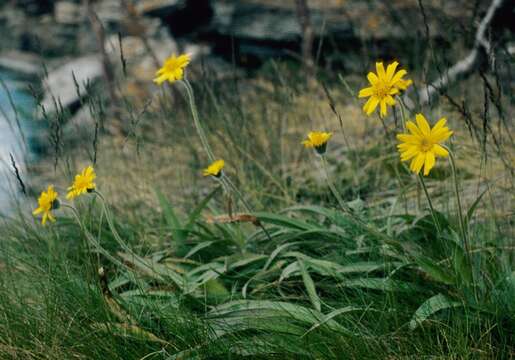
[435, 271]
[430, 307]
[382, 284]
[173, 222]
[276, 252]
[284, 221]
[472, 209]
[334, 314]
[310, 286]
[192, 218]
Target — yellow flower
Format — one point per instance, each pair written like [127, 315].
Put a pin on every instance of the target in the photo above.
[383, 87]
[421, 144]
[173, 69]
[83, 183]
[47, 201]
[215, 169]
[317, 140]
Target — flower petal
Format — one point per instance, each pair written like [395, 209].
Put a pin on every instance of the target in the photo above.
[439, 150]
[390, 70]
[429, 163]
[398, 76]
[414, 129]
[380, 71]
[418, 162]
[365, 92]
[383, 108]
[371, 105]
[423, 125]
[372, 78]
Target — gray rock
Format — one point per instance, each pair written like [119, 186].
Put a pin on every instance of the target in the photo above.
[21, 62]
[159, 8]
[80, 127]
[60, 84]
[66, 12]
[265, 22]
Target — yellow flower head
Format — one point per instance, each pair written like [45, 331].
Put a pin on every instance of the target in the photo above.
[215, 169]
[173, 69]
[83, 183]
[47, 201]
[421, 144]
[317, 140]
[383, 86]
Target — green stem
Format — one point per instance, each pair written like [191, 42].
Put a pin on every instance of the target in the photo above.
[403, 113]
[433, 212]
[463, 228]
[196, 120]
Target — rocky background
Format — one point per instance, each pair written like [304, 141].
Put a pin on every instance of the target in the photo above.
[70, 44]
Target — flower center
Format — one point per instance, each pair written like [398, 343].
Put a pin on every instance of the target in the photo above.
[425, 145]
[382, 90]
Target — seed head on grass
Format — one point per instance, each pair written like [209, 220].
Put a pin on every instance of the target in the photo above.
[422, 144]
[384, 85]
[317, 140]
[173, 69]
[47, 202]
[215, 169]
[84, 182]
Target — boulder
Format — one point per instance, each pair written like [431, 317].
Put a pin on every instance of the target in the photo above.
[24, 63]
[79, 127]
[60, 85]
[66, 12]
[159, 8]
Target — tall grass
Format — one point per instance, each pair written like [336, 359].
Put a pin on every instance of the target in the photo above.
[297, 278]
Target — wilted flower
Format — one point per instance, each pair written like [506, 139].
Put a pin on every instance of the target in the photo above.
[83, 183]
[317, 140]
[173, 69]
[215, 169]
[47, 201]
[421, 144]
[383, 87]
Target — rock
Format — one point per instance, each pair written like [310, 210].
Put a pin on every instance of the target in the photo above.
[66, 12]
[276, 22]
[159, 8]
[60, 84]
[80, 127]
[21, 62]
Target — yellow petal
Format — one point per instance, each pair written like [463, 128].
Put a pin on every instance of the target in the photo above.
[440, 135]
[439, 150]
[439, 124]
[413, 129]
[371, 105]
[380, 71]
[417, 163]
[383, 108]
[390, 70]
[398, 76]
[372, 78]
[429, 163]
[423, 125]
[407, 138]
[365, 92]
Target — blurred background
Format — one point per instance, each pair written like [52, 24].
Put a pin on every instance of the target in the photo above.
[76, 84]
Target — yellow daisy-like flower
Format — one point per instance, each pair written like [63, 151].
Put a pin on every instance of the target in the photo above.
[317, 140]
[173, 69]
[83, 183]
[421, 144]
[47, 201]
[215, 169]
[384, 85]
